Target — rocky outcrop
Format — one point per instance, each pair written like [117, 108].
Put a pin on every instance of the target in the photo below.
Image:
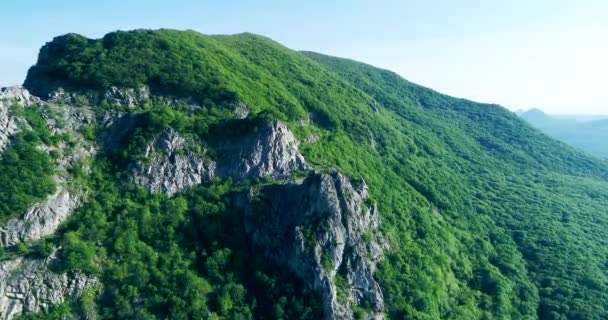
[39, 221]
[128, 97]
[324, 232]
[8, 123]
[312, 138]
[29, 285]
[170, 167]
[113, 96]
[241, 110]
[269, 151]
[43, 218]
[17, 94]
[8, 126]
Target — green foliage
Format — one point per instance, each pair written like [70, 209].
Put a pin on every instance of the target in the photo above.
[79, 255]
[487, 218]
[503, 243]
[178, 258]
[58, 312]
[326, 262]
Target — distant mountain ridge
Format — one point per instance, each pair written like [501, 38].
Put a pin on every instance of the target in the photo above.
[587, 132]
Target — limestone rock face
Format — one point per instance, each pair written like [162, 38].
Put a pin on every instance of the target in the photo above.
[128, 97]
[170, 167]
[8, 124]
[8, 127]
[39, 221]
[271, 151]
[43, 218]
[324, 232]
[17, 94]
[29, 285]
[114, 96]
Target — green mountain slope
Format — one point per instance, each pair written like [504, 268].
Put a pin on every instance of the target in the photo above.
[589, 135]
[487, 218]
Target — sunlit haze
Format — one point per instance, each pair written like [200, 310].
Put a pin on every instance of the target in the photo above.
[546, 54]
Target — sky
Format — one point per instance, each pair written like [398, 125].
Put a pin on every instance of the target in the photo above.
[546, 54]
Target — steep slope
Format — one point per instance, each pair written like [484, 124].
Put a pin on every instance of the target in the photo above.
[477, 214]
[589, 135]
[548, 197]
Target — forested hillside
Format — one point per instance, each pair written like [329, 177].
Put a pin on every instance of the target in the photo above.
[481, 216]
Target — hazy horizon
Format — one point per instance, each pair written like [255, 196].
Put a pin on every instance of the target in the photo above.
[548, 55]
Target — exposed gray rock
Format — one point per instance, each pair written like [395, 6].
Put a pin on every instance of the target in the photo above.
[241, 110]
[29, 285]
[8, 126]
[17, 94]
[118, 126]
[39, 221]
[304, 122]
[8, 123]
[128, 97]
[312, 138]
[43, 218]
[67, 119]
[270, 151]
[323, 231]
[115, 96]
[170, 167]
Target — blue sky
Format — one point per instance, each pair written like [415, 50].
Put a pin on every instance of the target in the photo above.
[543, 54]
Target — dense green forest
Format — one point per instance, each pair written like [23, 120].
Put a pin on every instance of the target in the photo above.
[487, 217]
[589, 134]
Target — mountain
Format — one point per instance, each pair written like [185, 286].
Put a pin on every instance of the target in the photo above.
[587, 133]
[170, 174]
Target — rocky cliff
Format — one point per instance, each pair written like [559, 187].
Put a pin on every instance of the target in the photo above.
[326, 232]
[170, 165]
[29, 285]
[322, 229]
[270, 151]
[39, 221]
[8, 123]
[43, 218]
